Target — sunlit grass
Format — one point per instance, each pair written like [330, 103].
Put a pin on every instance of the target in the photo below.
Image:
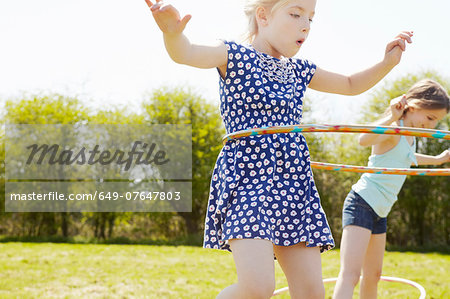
[45, 270]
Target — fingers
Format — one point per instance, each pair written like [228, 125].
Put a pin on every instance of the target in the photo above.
[400, 43]
[154, 6]
[396, 44]
[149, 3]
[398, 106]
[401, 104]
[184, 21]
[404, 102]
[167, 17]
[406, 35]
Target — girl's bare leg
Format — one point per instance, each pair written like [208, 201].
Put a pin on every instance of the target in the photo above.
[354, 243]
[303, 269]
[372, 267]
[255, 269]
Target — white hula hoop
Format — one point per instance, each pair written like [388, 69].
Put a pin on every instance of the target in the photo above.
[423, 293]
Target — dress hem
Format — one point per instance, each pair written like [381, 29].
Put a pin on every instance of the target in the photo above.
[323, 248]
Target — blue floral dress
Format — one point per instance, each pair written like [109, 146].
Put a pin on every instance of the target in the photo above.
[262, 186]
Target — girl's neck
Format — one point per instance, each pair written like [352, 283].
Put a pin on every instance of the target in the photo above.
[262, 45]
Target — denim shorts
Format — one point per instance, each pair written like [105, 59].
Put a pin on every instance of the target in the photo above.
[356, 211]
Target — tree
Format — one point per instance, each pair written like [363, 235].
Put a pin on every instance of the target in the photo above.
[103, 223]
[45, 109]
[177, 106]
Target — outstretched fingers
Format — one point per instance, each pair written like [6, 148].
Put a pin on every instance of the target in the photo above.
[184, 21]
[154, 6]
[167, 17]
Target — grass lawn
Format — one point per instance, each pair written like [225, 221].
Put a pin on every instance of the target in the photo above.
[46, 270]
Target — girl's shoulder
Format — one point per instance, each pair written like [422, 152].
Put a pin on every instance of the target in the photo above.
[235, 48]
[304, 64]
[304, 68]
[388, 143]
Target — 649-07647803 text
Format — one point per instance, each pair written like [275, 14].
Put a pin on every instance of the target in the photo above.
[140, 195]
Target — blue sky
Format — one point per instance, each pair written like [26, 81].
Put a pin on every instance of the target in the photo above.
[111, 52]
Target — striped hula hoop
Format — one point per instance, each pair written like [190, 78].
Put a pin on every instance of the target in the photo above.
[388, 130]
[311, 128]
[379, 170]
[421, 289]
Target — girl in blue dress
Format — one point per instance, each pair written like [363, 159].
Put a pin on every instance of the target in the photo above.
[263, 200]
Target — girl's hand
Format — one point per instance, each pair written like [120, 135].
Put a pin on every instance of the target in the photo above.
[398, 106]
[396, 47]
[444, 157]
[167, 17]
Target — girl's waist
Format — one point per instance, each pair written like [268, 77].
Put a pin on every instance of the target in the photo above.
[248, 126]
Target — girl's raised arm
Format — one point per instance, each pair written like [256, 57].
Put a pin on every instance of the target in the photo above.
[180, 49]
[358, 83]
[397, 107]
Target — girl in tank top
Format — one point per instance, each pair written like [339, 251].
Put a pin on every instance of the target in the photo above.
[371, 198]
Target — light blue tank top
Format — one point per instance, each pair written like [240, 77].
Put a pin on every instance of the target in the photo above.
[380, 190]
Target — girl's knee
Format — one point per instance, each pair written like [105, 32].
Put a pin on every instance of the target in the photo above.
[310, 290]
[351, 277]
[373, 277]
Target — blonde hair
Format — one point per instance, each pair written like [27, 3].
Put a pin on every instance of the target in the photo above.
[428, 94]
[250, 11]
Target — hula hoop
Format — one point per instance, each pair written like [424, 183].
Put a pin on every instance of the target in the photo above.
[388, 130]
[379, 170]
[311, 128]
[421, 289]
